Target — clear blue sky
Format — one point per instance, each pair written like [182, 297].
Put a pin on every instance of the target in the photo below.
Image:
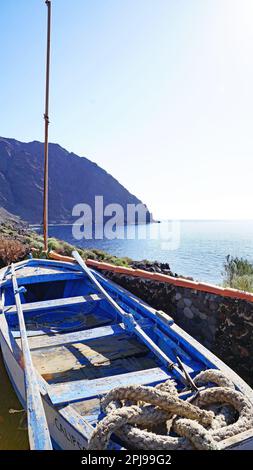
[157, 92]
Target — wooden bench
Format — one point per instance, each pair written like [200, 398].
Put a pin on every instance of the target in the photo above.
[47, 304]
[80, 389]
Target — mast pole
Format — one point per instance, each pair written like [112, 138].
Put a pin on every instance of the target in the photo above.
[46, 119]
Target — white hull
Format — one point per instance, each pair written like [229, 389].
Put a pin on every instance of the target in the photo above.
[69, 430]
[63, 435]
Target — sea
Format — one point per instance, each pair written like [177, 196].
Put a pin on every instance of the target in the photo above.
[193, 248]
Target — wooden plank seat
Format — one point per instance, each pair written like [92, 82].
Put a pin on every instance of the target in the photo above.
[76, 337]
[47, 304]
[36, 278]
[47, 329]
[81, 389]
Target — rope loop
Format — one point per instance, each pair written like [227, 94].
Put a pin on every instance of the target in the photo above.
[156, 418]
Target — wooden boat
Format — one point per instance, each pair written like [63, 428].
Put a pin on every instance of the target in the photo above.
[82, 346]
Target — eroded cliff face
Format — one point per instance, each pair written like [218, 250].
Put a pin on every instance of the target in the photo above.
[72, 180]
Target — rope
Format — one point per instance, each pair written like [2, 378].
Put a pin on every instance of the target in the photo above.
[156, 418]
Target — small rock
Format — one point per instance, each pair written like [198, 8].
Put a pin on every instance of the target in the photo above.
[202, 315]
[167, 272]
[188, 313]
[243, 351]
[180, 303]
[212, 319]
[212, 328]
[187, 302]
[195, 310]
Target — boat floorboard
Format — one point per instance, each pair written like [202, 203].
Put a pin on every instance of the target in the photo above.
[101, 357]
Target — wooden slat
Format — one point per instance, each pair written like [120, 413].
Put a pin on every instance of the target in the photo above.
[30, 333]
[89, 409]
[94, 354]
[117, 366]
[76, 337]
[81, 389]
[46, 304]
[79, 422]
[92, 320]
[37, 278]
[241, 441]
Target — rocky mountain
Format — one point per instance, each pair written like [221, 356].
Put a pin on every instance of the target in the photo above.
[72, 180]
[6, 218]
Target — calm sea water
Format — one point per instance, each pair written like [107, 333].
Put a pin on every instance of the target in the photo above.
[201, 252]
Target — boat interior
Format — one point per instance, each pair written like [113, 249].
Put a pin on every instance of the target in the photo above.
[79, 343]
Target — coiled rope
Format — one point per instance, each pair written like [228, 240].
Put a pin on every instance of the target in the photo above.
[156, 418]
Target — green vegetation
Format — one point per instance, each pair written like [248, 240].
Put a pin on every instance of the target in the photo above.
[16, 243]
[238, 274]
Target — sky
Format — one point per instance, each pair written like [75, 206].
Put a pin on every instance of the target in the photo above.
[157, 92]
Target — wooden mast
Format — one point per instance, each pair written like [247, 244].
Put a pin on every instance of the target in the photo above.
[46, 118]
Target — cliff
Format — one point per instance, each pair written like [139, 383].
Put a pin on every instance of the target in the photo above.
[72, 180]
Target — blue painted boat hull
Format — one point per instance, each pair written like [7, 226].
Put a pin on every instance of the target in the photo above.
[81, 349]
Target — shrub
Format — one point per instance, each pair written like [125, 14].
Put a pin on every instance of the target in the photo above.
[66, 249]
[243, 283]
[54, 244]
[38, 245]
[119, 261]
[238, 273]
[100, 254]
[12, 251]
[88, 254]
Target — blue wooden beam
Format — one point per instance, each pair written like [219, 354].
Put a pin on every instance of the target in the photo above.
[76, 337]
[80, 389]
[48, 304]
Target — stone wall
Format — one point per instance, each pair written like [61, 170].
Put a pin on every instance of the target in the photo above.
[224, 325]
